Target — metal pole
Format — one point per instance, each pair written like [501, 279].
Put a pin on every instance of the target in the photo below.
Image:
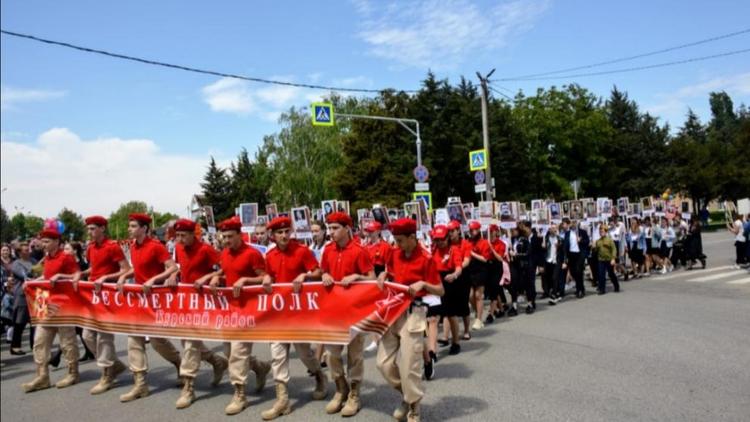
[419, 147]
[485, 133]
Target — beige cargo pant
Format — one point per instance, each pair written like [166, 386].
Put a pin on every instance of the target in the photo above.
[399, 356]
[45, 336]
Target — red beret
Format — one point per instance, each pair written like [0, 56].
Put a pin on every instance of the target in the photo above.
[140, 217]
[474, 225]
[232, 223]
[439, 232]
[96, 220]
[184, 225]
[454, 225]
[279, 223]
[494, 228]
[339, 218]
[403, 227]
[373, 226]
[49, 234]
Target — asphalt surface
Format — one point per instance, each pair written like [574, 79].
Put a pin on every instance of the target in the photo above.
[668, 348]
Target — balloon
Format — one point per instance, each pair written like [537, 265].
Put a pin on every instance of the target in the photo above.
[60, 227]
[50, 224]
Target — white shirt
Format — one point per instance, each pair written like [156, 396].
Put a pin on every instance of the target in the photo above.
[740, 236]
[574, 241]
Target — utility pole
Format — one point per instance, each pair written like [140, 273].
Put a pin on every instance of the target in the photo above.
[485, 132]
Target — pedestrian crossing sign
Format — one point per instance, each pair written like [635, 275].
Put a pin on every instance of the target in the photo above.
[478, 160]
[322, 114]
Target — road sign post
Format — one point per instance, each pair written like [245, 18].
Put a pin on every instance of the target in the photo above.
[322, 114]
[478, 160]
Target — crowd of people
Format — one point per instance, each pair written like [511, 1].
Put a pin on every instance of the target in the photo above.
[458, 277]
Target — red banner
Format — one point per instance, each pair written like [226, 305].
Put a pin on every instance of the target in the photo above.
[317, 314]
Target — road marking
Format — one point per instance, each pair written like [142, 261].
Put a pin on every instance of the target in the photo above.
[691, 272]
[715, 276]
[745, 280]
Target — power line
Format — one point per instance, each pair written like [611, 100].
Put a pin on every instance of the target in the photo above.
[190, 69]
[498, 92]
[637, 56]
[633, 69]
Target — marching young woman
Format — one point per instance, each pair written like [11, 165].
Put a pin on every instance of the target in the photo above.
[636, 247]
[493, 289]
[462, 284]
[448, 261]
[480, 254]
[668, 237]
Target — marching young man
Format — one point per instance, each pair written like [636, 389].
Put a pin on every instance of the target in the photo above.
[196, 260]
[399, 356]
[106, 264]
[290, 262]
[345, 261]
[152, 265]
[57, 266]
[240, 265]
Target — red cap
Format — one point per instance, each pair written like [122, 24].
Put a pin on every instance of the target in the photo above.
[403, 227]
[339, 218]
[184, 225]
[97, 220]
[231, 224]
[373, 226]
[474, 225]
[454, 225]
[49, 234]
[140, 217]
[279, 223]
[439, 232]
[494, 228]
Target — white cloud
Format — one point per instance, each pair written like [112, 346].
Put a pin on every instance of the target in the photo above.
[10, 97]
[673, 106]
[245, 98]
[230, 95]
[441, 34]
[95, 176]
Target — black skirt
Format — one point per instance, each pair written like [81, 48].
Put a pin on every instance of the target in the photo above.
[455, 301]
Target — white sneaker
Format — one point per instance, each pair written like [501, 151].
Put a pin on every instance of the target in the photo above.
[663, 270]
[477, 325]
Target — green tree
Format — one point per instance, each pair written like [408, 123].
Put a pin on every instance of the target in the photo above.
[217, 191]
[118, 220]
[6, 231]
[305, 159]
[75, 229]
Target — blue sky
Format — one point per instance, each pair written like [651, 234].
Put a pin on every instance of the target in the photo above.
[65, 113]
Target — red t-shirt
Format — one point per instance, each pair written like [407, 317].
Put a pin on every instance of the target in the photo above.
[196, 260]
[284, 266]
[499, 246]
[482, 247]
[59, 263]
[148, 259]
[379, 252]
[447, 259]
[341, 262]
[464, 246]
[418, 267]
[104, 258]
[243, 262]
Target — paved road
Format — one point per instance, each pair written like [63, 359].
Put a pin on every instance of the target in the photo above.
[669, 348]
